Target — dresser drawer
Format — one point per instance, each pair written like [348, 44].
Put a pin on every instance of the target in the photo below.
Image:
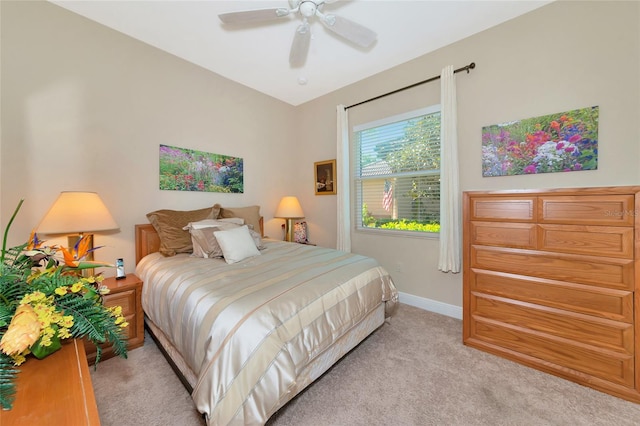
[558, 354]
[509, 234]
[615, 210]
[606, 272]
[519, 209]
[582, 329]
[585, 299]
[610, 241]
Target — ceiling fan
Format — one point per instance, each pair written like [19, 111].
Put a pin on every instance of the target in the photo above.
[347, 29]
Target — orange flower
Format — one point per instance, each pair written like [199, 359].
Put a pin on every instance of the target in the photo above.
[34, 242]
[555, 125]
[80, 250]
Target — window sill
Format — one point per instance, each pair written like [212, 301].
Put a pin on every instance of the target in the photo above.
[401, 234]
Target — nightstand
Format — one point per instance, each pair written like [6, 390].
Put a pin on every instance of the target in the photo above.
[126, 293]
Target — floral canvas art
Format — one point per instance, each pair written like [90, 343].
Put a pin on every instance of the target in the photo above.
[562, 142]
[184, 169]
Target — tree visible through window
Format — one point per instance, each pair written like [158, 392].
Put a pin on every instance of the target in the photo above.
[397, 172]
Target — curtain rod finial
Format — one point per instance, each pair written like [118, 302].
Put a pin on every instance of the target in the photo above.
[471, 66]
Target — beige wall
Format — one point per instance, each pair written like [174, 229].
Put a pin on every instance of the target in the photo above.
[560, 57]
[84, 107]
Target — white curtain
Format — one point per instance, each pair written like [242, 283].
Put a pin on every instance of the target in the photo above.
[342, 166]
[450, 215]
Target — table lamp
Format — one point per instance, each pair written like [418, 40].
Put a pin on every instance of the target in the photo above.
[289, 209]
[77, 213]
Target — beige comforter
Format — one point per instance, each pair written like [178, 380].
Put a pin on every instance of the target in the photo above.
[250, 330]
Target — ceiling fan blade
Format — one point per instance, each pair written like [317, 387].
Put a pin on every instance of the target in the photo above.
[300, 45]
[257, 15]
[352, 31]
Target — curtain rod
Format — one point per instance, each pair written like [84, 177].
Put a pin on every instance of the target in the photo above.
[471, 66]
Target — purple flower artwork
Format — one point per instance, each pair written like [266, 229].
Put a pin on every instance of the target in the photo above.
[563, 142]
[189, 170]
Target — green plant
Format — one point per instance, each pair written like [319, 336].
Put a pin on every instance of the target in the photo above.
[45, 299]
[367, 218]
[404, 225]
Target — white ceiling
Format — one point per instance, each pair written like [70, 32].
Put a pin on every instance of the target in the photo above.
[257, 56]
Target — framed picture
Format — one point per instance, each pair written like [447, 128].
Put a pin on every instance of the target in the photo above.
[325, 174]
[183, 169]
[561, 142]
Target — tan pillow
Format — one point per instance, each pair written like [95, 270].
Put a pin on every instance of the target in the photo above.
[251, 215]
[204, 243]
[169, 224]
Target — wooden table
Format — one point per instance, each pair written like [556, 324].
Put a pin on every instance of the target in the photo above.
[54, 391]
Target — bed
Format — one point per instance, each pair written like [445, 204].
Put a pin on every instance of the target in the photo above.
[245, 338]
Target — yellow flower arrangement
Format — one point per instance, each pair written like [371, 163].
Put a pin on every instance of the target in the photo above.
[44, 299]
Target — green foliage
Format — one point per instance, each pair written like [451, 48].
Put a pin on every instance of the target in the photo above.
[367, 218]
[8, 374]
[27, 270]
[404, 225]
[420, 147]
[92, 321]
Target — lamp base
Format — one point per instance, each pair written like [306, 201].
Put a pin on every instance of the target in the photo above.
[288, 230]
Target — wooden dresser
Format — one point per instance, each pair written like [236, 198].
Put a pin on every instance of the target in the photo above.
[552, 280]
[54, 391]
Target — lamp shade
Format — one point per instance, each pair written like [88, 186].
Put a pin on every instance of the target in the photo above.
[289, 208]
[77, 212]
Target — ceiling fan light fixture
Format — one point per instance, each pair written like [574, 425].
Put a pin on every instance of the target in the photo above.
[308, 8]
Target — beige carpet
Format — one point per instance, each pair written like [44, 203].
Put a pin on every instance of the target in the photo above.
[413, 371]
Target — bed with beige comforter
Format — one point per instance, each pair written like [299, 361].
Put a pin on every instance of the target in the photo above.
[253, 334]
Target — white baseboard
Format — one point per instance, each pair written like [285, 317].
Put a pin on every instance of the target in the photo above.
[431, 305]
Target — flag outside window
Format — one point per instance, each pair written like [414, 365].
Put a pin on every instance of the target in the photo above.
[387, 197]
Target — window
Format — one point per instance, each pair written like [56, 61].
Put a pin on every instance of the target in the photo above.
[396, 173]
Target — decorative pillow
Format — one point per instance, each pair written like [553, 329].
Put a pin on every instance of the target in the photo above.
[251, 215]
[236, 244]
[300, 232]
[257, 238]
[204, 243]
[170, 223]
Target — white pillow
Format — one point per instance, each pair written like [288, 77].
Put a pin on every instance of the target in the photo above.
[236, 244]
[208, 223]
